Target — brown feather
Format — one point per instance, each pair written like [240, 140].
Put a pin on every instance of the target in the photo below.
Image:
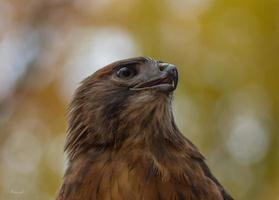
[124, 144]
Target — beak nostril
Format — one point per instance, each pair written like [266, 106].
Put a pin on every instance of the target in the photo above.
[168, 68]
[172, 70]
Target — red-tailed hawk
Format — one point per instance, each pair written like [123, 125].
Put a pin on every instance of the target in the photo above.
[123, 142]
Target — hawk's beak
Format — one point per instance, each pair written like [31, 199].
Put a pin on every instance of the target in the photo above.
[167, 81]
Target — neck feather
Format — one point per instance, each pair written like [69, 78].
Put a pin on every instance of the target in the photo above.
[149, 118]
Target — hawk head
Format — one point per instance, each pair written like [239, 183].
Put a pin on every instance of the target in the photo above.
[118, 101]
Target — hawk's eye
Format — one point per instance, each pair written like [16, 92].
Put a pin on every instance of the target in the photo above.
[126, 72]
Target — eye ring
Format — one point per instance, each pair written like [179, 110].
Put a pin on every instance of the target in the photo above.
[126, 72]
[162, 67]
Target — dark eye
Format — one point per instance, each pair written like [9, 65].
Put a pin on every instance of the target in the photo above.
[126, 72]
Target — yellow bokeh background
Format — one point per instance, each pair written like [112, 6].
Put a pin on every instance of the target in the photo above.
[227, 102]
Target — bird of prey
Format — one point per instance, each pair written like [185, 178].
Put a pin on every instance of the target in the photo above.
[123, 143]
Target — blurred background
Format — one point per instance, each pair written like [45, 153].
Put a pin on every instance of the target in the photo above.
[227, 102]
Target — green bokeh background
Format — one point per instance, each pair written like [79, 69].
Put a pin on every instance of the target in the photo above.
[227, 102]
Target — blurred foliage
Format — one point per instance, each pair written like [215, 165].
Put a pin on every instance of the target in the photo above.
[227, 101]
